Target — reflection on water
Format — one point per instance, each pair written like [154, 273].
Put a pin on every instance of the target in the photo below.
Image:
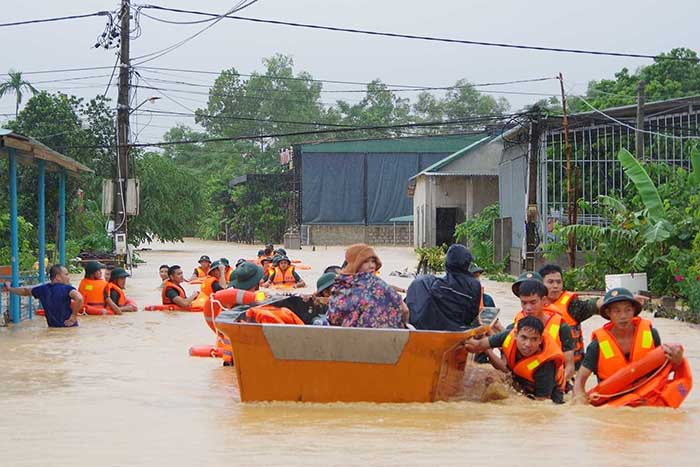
[122, 390]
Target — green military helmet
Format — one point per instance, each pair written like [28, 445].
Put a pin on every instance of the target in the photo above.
[619, 294]
[525, 276]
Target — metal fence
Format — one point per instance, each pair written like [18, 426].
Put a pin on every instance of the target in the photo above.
[27, 305]
[596, 169]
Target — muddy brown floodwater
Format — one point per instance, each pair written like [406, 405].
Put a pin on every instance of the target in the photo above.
[122, 390]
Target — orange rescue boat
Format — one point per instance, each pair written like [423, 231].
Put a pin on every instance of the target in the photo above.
[329, 364]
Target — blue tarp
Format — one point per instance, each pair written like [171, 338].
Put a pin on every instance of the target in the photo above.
[336, 189]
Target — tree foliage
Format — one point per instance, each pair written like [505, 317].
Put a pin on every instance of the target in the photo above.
[664, 79]
[16, 85]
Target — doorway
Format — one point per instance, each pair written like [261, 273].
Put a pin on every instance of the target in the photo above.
[445, 223]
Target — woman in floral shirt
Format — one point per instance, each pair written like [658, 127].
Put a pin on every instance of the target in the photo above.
[360, 298]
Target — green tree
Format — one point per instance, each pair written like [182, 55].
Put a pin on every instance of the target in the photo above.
[16, 84]
[664, 79]
[170, 203]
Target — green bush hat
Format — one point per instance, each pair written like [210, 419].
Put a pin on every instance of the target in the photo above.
[214, 267]
[246, 276]
[224, 261]
[475, 269]
[276, 259]
[525, 276]
[119, 272]
[281, 251]
[261, 253]
[204, 258]
[619, 294]
[91, 267]
[325, 281]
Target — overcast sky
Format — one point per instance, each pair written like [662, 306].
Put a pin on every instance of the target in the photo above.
[640, 26]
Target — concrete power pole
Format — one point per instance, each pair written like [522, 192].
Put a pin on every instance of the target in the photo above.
[639, 136]
[122, 165]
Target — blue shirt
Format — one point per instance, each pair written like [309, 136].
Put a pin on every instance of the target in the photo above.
[55, 299]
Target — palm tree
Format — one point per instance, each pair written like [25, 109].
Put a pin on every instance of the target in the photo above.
[15, 84]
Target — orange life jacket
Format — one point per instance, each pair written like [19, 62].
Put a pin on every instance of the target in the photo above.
[611, 357]
[286, 277]
[206, 287]
[112, 286]
[526, 367]
[201, 272]
[551, 327]
[274, 315]
[93, 291]
[561, 307]
[227, 273]
[167, 285]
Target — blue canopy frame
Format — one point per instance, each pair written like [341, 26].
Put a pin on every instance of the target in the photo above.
[24, 150]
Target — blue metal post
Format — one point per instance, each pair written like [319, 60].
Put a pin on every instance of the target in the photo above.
[14, 237]
[42, 220]
[62, 217]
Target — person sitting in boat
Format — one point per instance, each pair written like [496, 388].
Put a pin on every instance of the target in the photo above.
[362, 299]
[625, 339]
[284, 275]
[476, 272]
[173, 293]
[92, 286]
[228, 270]
[532, 292]
[114, 295]
[216, 279]
[163, 273]
[535, 361]
[202, 270]
[449, 303]
[572, 309]
[269, 250]
[261, 255]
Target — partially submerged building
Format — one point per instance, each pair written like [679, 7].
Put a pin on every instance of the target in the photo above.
[355, 191]
[534, 160]
[453, 189]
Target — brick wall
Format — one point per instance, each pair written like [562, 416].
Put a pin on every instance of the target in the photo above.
[370, 234]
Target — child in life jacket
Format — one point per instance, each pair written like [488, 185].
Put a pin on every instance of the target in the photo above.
[92, 286]
[625, 339]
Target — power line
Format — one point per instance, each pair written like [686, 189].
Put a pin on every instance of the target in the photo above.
[427, 38]
[240, 5]
[52, 20]
[389, 87]
[63, 70]
[298, 133]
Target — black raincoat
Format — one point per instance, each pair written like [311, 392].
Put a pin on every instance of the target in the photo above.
[449, 303]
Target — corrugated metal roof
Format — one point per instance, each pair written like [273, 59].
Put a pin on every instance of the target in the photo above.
[414, 144]
[36, 149]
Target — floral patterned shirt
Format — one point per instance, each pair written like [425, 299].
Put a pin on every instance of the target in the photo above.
[364, 301]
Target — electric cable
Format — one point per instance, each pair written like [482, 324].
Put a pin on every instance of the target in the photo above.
[427, 38]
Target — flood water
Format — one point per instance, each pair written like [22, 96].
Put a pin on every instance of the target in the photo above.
[122, 390]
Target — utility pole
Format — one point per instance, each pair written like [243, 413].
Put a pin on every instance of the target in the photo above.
[638, 135]
[532, 185]
[570, 198]
[122, 165]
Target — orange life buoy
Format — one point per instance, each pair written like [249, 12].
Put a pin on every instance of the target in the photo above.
[170, 308]
[228, 298]
[628, 386]
[206, 351]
